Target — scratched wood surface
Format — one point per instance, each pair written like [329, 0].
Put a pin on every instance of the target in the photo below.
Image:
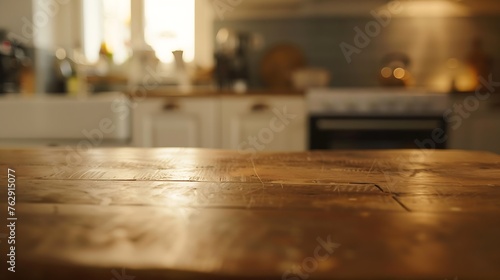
[195, 214]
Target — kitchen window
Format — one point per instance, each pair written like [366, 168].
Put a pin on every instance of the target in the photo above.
[169, 26]
[165, 25]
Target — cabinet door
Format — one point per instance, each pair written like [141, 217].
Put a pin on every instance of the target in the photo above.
[171, 129]
[254, 124]
[481, 131]
[176, 122]
[486, 133]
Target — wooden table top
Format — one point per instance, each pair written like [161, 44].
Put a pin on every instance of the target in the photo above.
[133, 214]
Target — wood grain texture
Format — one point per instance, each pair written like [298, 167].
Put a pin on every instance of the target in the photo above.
[196, 214]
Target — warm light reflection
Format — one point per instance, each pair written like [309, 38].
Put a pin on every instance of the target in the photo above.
[454, 73]
[465, 79]
[386, 72]
[434, 8]
[399, 73]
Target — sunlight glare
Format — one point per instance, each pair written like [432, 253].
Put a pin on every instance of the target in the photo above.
[169, 27]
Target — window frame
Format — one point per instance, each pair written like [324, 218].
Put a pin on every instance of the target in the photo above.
[204, 34]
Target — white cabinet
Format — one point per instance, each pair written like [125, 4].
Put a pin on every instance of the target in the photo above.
[245, 123]
[176, 122]
[481, 130]
[259, 123]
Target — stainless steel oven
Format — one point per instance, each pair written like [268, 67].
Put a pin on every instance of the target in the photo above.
[347, 132]
[374, 118]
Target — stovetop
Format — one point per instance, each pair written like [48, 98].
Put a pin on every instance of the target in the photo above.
[376, 101]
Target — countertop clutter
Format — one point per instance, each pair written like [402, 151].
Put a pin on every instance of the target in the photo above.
[212, 214]
[141, 93]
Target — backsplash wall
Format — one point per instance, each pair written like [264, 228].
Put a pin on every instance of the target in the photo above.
[429, 42]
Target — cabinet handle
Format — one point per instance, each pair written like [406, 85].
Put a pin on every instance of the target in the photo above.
[170, 107]
[259, 107]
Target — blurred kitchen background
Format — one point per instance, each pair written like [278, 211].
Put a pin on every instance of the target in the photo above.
[252, 75]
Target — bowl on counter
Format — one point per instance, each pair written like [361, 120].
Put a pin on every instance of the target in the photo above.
[306, 78]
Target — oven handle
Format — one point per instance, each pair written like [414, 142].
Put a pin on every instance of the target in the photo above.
[364, 124]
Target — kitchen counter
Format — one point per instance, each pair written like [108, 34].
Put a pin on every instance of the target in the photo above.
[209, 92]
[197, 214]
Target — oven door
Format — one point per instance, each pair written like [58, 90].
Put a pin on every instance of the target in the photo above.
[329, 133]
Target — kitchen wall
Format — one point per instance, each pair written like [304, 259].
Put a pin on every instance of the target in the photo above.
[429, 42]
[12, 14]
